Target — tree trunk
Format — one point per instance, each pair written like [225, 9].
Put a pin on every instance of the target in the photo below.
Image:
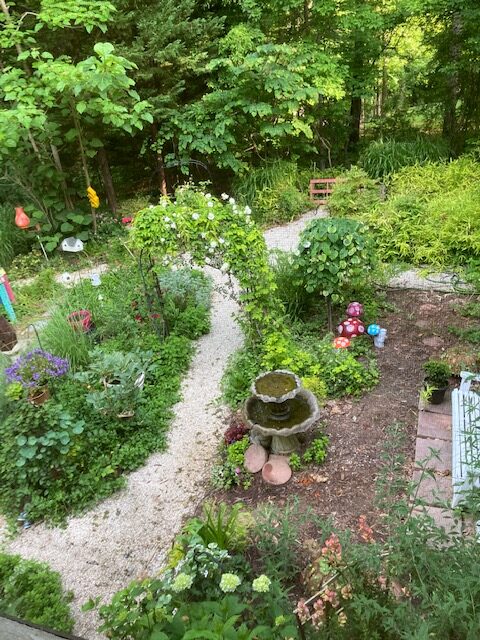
[451, 128]
[355, 119]
[83, 159]
[107, 179]
[162, 179]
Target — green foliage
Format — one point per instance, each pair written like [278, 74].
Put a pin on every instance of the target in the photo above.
[355, 194]
[60, 337]
[231, 472]
[295, 462]
[69, 476]
[31, 591]
[34, 298]
[383, 157]
[26, 265]
[294, 297]
[317, 386]
[316, 451]
[437, 373]
[242, 369]
[334, 253]
[276, 192]
[431, 215]
[220, 524]
[115, 380]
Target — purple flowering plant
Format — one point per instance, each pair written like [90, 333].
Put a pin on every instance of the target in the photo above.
[36, 368]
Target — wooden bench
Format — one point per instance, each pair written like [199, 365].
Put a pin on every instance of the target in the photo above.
[325, 190]
[465, 438]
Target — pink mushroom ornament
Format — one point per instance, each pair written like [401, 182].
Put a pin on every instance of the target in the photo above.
[354, 310]
[351, 327]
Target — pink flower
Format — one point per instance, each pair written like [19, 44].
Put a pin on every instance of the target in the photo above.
[302, 611]
[127, 220]
[331, 596]
[332, 551]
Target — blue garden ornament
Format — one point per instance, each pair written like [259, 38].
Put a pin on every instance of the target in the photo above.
[373, 329]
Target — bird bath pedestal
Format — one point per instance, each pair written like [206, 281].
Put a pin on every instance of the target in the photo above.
[280, 409]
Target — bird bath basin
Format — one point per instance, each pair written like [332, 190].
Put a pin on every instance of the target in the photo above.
[279, 409]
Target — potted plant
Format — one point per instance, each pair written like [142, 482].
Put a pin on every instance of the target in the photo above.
[437, 375]
[34, 371]
[115, 381]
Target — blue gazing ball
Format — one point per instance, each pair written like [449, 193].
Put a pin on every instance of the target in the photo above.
[373, 329]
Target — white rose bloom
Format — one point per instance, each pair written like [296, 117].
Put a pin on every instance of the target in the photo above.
[150, 206]
[211, 216]
[224, 196]
[173, 225]
[209, 203]
[208, 195]
[307, 244]
[221, 241]
[166, 219]
[100, 297]
[231, 200]
[195, 216]
[248, 211]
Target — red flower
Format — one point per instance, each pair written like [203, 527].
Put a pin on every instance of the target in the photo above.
[127, 220]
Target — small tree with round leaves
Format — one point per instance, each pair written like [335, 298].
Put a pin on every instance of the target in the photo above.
[333, 254]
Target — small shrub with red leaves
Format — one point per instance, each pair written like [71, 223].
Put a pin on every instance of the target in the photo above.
[236, 431]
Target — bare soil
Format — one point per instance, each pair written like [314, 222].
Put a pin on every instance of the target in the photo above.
[343, 488]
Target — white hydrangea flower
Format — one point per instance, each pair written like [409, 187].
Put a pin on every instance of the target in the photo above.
[182, 581]
[224, 196]
[231, 200]
[229, 582]
[195, 216]
[261, 584]
[211, 216]
[247, 210]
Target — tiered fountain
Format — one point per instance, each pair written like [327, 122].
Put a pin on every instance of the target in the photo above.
[280, 409]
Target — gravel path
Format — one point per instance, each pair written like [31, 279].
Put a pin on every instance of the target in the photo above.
[129, 534]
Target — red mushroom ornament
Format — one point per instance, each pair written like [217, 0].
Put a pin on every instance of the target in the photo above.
[354, 309]
[351, 327]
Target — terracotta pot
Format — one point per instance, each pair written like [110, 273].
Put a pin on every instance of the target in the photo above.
[39, 396]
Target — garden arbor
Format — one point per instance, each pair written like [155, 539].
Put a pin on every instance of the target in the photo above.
[221, 234]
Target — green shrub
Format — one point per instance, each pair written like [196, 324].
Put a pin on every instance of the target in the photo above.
[60, 338]
[293, 295]
[31, 591]
[354, 195]
[437, 373]
[384, 157]
[242, 369]
[276, 192]
[431, 215]
[333, 254]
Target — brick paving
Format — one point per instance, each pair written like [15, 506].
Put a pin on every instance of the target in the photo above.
[433, 450]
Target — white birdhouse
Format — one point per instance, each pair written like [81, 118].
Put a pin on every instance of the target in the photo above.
[73, 245]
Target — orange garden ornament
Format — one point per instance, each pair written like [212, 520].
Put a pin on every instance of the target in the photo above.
[21, 219]
[341, 343]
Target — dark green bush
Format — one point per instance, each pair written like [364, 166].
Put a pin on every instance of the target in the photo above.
[276, 192]
[384, 157]
[31, 591]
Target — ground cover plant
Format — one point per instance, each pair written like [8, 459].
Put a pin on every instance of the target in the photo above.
[113, 407]
[429, 217]
[31, 591]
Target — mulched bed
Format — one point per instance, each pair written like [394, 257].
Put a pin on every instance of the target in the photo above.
[343, 488]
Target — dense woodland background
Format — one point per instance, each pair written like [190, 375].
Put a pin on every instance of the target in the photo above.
[132, 96]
